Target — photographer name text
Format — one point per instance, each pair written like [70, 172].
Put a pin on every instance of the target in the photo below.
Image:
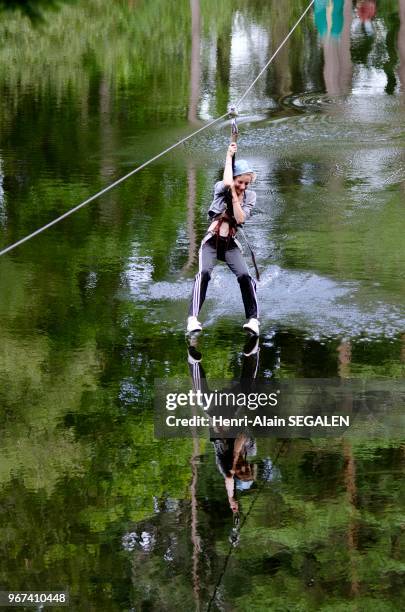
[259, 421]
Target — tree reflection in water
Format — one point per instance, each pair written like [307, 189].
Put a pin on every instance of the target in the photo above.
[97, 87]
[35, 10]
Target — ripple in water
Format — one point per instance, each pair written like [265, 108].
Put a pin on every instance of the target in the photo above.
[321, 118]
[312, 101]
[318, 305]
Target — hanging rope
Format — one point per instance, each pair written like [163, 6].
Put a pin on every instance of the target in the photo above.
[152, 159]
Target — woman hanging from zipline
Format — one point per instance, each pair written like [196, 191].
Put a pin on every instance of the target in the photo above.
[232, 205]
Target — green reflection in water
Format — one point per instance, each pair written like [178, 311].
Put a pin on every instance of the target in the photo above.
[88, 92]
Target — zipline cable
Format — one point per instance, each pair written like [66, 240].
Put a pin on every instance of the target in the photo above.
[281, 45]
[152, 159]
[117, 182]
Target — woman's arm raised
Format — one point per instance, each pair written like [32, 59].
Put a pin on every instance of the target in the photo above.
[228, 172]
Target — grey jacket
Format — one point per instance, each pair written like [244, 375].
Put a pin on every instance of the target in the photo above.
[218, 205]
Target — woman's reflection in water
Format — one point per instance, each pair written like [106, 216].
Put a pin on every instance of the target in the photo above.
[366, 11]
[233, 449]
[231, 456]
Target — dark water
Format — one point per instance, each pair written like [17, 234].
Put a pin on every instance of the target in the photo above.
[93, 310]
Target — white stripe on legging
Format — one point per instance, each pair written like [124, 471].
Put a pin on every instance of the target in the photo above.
[257, 363]
[255, 295]
[196, 294]
[197, 285]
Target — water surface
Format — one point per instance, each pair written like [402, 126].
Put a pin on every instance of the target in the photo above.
[93, 310]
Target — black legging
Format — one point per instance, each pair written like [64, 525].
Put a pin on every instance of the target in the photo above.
[236, 262]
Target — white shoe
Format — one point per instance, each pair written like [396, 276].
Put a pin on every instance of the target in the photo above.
[252, 325]
[251, 347]
[193, 356]
[193, 325]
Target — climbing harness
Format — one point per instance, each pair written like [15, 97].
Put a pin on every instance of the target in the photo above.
[152, 159]
[222, 242]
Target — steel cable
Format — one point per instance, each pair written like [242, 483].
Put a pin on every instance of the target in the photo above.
[152, 159]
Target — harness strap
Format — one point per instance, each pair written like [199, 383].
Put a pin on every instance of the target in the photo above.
[220, 240]
[228, 214]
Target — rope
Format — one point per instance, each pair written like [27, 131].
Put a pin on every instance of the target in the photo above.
[117, 182]
[246, 516]
[152, 159]
[275, 53]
